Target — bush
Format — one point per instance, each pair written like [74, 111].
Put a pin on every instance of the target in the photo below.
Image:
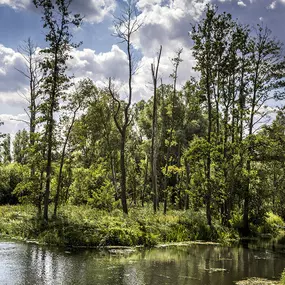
[85, 226]
[282, 280]
[271, 225]
[10, 177]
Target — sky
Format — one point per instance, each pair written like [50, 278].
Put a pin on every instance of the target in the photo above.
[165, 22]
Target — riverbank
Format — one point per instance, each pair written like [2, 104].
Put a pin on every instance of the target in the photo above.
[258, 281]
[87, 227]
[84, 226]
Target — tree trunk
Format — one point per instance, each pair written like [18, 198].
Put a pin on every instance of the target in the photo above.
[123, 173]
[208, 164]
[58, 189]
[48, 168]
[145, 182]
[154, 134]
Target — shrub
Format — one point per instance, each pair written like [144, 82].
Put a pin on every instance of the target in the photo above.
[271, 225]
[282, 280]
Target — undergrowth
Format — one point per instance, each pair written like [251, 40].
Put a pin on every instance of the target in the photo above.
[85, 226]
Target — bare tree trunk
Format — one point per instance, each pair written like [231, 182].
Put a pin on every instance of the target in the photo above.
[187, 202]
[145, 182]
[125, 26]
[114, 178]
[123, 174]
[154, 71]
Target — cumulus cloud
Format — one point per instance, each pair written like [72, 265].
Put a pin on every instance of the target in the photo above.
[99, 66]
[11, 80]
[93, 10]
[166, 24]
[241, 3]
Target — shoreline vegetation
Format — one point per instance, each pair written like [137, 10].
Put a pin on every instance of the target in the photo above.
[83, 226]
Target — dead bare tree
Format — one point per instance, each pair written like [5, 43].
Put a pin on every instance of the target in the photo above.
[32, 72]
[154, 72]
[125, 26]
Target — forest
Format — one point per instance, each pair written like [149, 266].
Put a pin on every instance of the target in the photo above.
[200, 161]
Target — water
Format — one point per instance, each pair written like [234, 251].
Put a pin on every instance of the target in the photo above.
[22, 263]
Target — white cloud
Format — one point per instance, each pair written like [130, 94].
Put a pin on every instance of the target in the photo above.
[167, 24]
[87, 63]
[14, 99]
[11, 80]
[16, 4]
[241, 3]
[98, 67]
[93, 10]
[142, 4]
[272, 6]
[12, 123]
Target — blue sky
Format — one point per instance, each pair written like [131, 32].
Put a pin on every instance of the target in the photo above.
[166, 22]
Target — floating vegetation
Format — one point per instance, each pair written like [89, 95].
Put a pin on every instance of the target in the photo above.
[257, 281]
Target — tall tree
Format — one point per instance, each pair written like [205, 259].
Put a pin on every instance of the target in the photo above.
[266, 82]
[170, 138]
[154, 141]
[57, 20]
[125, 27]
[32, 72]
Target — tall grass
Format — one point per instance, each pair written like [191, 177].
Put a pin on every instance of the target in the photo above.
[85, 226]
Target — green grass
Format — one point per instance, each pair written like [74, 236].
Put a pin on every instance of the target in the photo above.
[85, 226]
[282, 280]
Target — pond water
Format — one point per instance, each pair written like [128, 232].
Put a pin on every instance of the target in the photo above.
[22, 263]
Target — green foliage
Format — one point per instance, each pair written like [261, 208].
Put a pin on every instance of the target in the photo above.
[6, 149]
[20, 146]
[11, 176]
[92, 186]
[282, 280]
[208, 153]
[85, 226]
[272, 225]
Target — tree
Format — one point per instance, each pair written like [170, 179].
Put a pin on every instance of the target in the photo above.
[266, 81]
[32, 72]
[20, 147]
[57, 20]
[202, 36]
[6, 153]
[154, 141]
[77, 101]
[125, 27]
[170, 137]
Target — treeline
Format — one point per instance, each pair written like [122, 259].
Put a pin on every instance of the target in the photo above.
[204, 145]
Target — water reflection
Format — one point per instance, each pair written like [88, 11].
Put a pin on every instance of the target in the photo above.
[196, 264]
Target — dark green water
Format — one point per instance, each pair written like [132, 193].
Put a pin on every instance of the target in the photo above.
[22, 263]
